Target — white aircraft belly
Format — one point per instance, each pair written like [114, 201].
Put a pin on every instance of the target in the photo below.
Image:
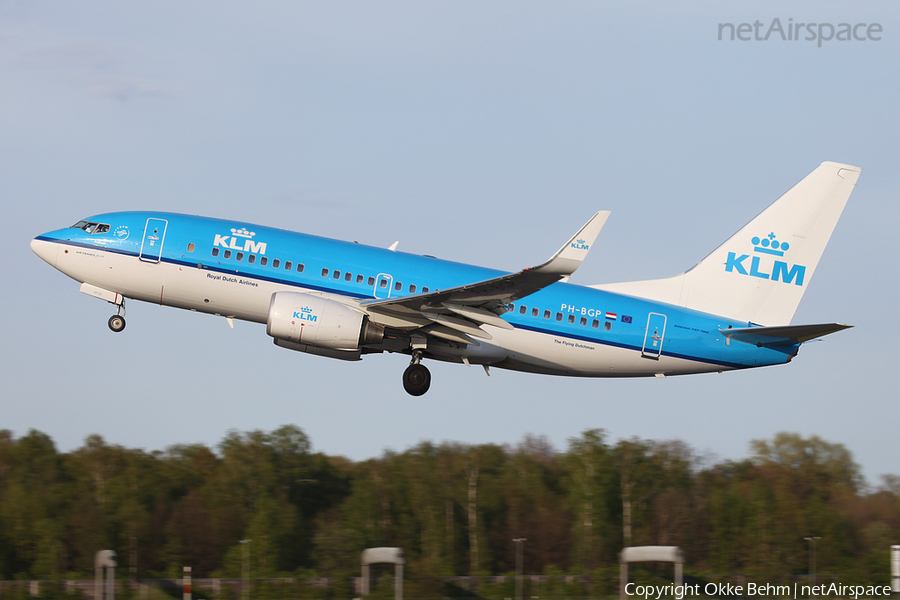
[559, 355]
[170, 285]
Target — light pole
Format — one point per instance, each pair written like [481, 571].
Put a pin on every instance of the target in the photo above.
[518, 542]
[245, 592]
[812, 556]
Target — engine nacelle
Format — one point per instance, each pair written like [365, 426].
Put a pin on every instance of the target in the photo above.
[316, 321]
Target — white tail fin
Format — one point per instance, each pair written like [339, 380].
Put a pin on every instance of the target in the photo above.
[760, 274]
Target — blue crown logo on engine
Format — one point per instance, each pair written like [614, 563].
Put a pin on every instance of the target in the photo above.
[769, 245]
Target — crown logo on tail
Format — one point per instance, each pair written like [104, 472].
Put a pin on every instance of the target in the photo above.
[769, 245]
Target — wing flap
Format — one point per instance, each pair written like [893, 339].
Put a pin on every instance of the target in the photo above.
[446, 333]
[459, 324]
[479, 315]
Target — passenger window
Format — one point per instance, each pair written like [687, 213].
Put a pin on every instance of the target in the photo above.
[571, 318]
[546, 314]
[383, 283]
[359, 279]
[424, 290]
[348, 276]
[371, 281]
[263, 261]
[228, 254]
[398, 286]
[583, 321]
[595, 323]
[523, 309]
[412, 288]
[510, 307]
[191, 247]
[300, 267]
[534, 312]
[251, 259]
[215, 252]
[276, 263]
[288, 265]
[324, 272]
[607, 326]
[337, 274]
[239, 256]
[559, 316]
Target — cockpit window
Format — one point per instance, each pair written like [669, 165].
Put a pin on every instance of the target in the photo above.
[91, 227]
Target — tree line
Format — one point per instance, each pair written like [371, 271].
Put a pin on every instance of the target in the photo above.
[453, 508]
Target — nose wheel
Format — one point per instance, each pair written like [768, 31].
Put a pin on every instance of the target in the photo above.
[117, 321]
[416, 377]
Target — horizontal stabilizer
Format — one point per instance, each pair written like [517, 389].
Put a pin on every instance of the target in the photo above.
[786, 335]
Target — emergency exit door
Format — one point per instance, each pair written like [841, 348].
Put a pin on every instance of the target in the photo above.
[654, 336]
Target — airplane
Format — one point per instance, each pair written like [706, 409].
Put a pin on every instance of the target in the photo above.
[345, 300]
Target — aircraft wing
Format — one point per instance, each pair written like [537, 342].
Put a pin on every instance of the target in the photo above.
[458, 313]
[784, 335]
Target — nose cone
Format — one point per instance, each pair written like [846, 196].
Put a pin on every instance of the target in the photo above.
[46, 250]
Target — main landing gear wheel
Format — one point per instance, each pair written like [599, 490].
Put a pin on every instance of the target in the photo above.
[416, 379]
[116, 323]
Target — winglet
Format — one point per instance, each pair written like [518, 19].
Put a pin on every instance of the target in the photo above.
[567, 260]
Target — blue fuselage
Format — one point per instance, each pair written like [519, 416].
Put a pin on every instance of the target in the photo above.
[231, 269]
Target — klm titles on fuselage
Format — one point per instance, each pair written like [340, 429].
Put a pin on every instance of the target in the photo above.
[241, 240]
[780, 271]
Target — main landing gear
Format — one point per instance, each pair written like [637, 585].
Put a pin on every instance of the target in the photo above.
[117, 321]
[416, 377]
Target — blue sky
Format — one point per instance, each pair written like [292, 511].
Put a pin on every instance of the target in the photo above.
[478, 132]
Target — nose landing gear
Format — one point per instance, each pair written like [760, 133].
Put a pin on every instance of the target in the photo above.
[117, 321]
[416, 377]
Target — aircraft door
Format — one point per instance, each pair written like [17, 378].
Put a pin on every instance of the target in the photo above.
[154, 236]
[383, 285]
[654, 336]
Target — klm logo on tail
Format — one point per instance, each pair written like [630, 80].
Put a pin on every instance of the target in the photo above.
[762, 267]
